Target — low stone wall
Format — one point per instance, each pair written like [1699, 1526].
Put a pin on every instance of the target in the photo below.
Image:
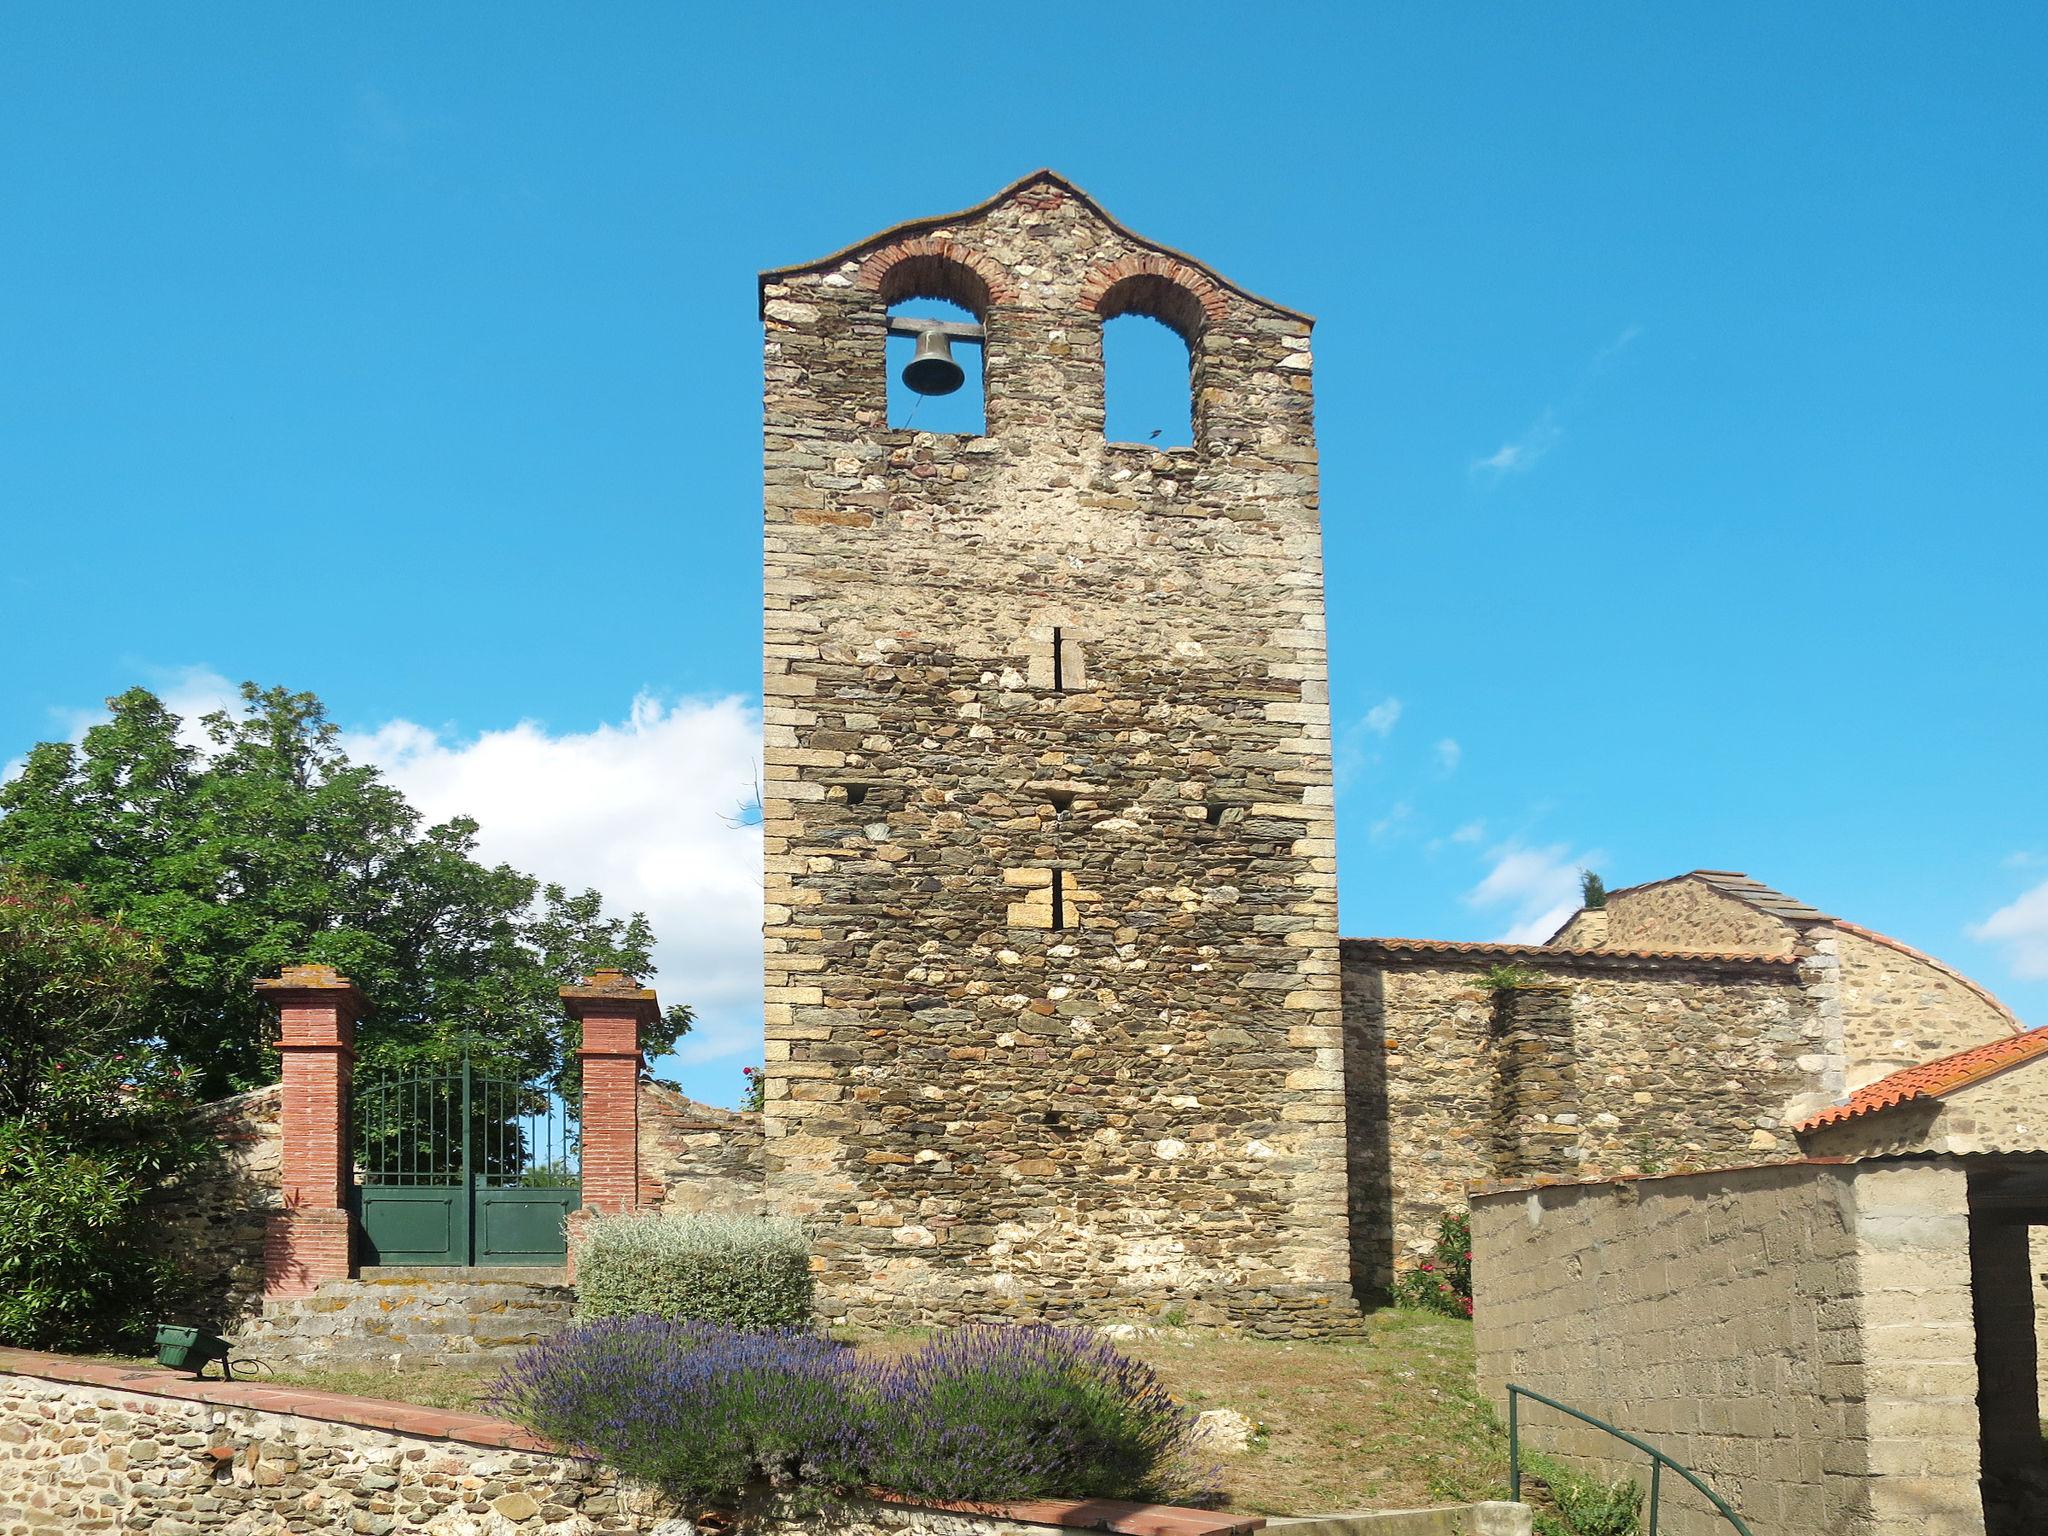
[94, 1447]
[696, 1157]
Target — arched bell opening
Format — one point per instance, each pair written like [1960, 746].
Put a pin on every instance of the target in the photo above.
[1152, 330]
[935, 358]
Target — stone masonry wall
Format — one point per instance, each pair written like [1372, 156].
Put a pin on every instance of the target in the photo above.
[1799, 1335]
[1649, 1064]
[1900, 1008]
[1689, 914]
[990, 1110]
[696, 1158]
[212, 1220]
[75, 1456]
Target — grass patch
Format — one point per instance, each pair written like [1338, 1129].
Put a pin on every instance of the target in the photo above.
[1391, 1420]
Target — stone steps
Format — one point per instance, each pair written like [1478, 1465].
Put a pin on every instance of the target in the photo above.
[402, 1318]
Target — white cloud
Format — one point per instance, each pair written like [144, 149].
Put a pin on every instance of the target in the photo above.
[1522, 453]
[2023, 858]
[1535, 889]
[1396, 820]
[1352, 756]
[1621, 343]
[2022, 927]
[1449, 754]
[1470, 832]
[190, 693]
[1519, 454]
[641, 810]
[1383, 717]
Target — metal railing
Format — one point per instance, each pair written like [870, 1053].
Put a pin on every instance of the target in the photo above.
[1658, 1460]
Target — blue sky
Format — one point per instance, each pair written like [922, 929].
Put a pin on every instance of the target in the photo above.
[1680, 384]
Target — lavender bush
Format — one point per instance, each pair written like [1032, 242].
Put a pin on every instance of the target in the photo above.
[708, 1414]
[720, 1418]
[1010, 1413]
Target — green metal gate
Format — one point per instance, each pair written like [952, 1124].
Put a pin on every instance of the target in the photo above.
[463, 1164]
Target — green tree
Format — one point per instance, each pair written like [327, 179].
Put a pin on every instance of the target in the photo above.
[93, 1116]
[269, 846]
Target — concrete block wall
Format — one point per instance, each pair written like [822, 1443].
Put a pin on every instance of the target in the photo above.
[1800, 1335]
[1713, 1314]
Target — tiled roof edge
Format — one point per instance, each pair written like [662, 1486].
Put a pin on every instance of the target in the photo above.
[1566, 959]
[1934, 1079]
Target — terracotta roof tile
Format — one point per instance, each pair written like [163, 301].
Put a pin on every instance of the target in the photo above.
[1934, 1079]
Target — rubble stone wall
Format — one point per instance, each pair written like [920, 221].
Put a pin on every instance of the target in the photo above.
[696, 1158]
[1900, 1008]
[212, 1219]
[1613, 1065]
[1690, 914]
[997, 1097]
[85, 1457]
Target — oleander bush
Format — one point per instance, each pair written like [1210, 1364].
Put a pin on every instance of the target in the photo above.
[1443, 1281]
[94, 1118]
[739, 1271]
[723, 1418]
[1018, 1412]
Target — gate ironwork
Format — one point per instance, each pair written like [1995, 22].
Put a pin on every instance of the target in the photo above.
[463, 1164]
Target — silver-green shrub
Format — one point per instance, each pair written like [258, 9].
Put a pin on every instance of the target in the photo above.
[742, 1271]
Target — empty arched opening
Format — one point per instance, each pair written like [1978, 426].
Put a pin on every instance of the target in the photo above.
[1150, 327]
[936, 288]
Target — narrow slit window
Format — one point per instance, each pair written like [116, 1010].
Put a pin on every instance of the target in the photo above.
[962, 411]
[1059, 900]
[1147, 384]
[1059, 671]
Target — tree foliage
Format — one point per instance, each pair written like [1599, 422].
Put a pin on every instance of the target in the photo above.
[93, 1117]
[262, 845]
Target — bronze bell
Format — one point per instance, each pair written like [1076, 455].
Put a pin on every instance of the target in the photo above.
[932, 371]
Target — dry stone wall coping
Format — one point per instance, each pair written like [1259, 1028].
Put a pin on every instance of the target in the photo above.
[1129, 1519]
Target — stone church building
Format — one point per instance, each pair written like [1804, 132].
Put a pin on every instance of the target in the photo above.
[1058, 1016]
[1058, 1019]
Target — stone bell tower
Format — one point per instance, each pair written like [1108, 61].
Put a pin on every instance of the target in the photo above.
[1053, 1016]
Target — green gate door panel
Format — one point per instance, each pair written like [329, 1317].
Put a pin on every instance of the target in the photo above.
[461, 1166]
[523, 1226]
[415, 1224]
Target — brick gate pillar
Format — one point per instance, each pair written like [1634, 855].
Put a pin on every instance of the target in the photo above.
[308, 1241]
[611, 1006]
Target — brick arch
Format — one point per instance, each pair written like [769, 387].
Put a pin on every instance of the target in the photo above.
[928, 268]
[1178, 296]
